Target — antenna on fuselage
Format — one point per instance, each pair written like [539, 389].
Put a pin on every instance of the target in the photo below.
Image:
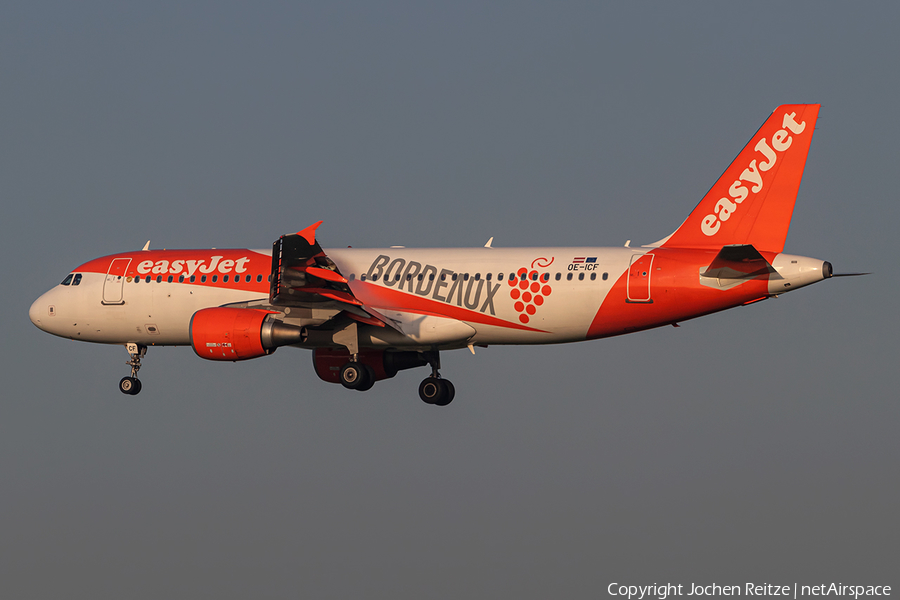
[489, 242]
[146, 246]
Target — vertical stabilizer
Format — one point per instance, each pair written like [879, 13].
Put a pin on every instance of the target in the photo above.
[752, 202]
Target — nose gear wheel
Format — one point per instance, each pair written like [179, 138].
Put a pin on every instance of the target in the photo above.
[132, 385]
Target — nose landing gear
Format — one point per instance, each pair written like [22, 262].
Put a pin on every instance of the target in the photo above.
[132, 385]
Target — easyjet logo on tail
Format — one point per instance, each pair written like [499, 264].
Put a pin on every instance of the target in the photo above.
[752, 175]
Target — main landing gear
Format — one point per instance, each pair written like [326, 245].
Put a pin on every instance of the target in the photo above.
[132, 385]
[434, 390]
[439, 392]
[357, 376]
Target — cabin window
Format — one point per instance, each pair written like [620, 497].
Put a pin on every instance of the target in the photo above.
[593, 276]
[362, 277]
[488, 276]
[203, 279]
[375, 277]
[545, 277]
[248, 278]
[581, 277]
[431, 277]
[170, 279]
[270, 278]
[215, 278]
[454, 276]
[605, 276]
[193, 278]
[524, 276]
[77, 279]
[420, 277]
[569, 277]
[408, 277]
[224, 278]
[558, 276]
[259, 278]
[147, 279]
[159, 279]
[67, 280]
[466, 277]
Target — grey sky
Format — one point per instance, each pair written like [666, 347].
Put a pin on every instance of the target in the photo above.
[759, 444]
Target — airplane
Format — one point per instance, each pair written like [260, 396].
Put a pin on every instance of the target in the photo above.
[367, 314]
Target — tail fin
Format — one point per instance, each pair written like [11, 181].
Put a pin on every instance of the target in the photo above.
[752, 202]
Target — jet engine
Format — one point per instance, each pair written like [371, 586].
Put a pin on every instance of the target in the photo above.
[240, 333]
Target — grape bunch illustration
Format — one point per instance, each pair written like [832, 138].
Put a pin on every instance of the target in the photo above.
[529, 290]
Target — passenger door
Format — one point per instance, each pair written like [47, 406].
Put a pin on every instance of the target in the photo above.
[638, 283]
[115, 281]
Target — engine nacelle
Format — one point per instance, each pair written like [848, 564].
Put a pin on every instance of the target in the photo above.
[385, 364]
[239, 333]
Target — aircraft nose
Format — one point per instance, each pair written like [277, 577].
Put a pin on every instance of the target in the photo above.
[38, 311]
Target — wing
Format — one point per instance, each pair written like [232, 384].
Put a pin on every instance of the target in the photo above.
[303, 276]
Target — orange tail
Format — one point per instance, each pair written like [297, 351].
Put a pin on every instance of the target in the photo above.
[752, 202]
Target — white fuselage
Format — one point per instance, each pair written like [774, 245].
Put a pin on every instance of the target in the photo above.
[567, 294]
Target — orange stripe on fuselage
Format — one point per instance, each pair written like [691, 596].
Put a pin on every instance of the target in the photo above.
[383, 298]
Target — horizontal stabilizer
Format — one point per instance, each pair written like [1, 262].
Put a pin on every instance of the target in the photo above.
[738, 262]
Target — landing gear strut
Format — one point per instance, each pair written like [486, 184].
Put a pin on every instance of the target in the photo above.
[132, 385]
[354, 374]
[434, 390]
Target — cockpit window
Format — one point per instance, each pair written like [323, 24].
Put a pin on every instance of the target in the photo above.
[67, 280]
[77, 279]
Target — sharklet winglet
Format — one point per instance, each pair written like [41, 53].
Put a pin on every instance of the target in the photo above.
[309, 234]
